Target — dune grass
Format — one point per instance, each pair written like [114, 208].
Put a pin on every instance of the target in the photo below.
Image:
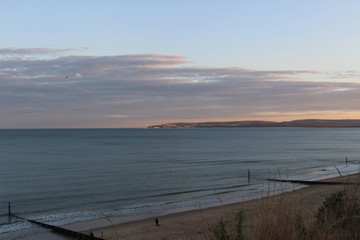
[338, 217]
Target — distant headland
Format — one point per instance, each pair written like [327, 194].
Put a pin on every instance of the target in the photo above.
[316, 123]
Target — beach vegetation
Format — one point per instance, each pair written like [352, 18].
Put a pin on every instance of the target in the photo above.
[338, 217]
[338, 207]
[240, 234]
[222, 230]
[219, 231]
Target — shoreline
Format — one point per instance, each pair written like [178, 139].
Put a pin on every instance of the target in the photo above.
[190, 224]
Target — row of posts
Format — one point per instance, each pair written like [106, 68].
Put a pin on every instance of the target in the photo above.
[249, 175]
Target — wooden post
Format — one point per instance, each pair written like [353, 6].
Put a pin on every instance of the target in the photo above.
[9, 212]
[346, 161]
[9, 209]
[248, 176]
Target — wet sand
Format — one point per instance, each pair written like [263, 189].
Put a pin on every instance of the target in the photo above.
[192, 224]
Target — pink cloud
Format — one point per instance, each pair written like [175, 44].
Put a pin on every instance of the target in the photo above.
[157, 86]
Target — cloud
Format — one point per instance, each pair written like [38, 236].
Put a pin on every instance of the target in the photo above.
[119, 116]
[26, 52]
[80, 90]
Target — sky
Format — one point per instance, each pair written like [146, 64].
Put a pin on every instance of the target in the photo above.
[118, 64]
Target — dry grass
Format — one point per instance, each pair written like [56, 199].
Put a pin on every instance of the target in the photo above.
[274, 220]
[286, 218]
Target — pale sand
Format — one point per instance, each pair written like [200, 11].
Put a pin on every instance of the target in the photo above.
[190, 225]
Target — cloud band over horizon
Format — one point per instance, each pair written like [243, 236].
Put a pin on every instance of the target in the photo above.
[42, 88]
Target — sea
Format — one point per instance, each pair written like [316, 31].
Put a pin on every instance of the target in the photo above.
[71, 176]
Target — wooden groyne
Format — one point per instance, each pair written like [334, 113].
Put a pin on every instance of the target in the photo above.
[311, 182]
[61, 230]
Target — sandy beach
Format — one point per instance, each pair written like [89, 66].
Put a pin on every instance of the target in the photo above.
[194, 224]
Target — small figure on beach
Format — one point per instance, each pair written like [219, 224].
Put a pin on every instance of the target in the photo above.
[157, 222]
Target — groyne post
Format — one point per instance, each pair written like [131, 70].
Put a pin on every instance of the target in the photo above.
[346, 161]
[248, 176]
[9, 212]
[61, 230]
[9, 209]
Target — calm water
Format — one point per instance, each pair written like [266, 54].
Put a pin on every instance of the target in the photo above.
[69, 175]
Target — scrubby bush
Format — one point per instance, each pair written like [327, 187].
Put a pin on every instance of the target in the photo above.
[240, 234]
[338, 217]
[338, 208]
[219, 231]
